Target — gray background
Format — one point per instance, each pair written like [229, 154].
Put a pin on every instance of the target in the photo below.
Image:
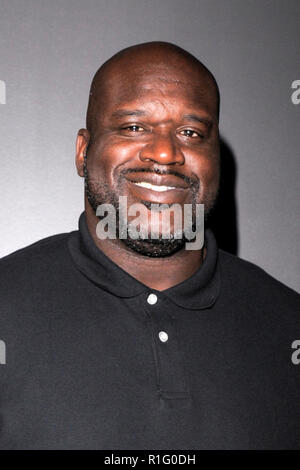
[49, 51]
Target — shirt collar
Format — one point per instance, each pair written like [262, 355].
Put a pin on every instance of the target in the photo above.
[197, 292]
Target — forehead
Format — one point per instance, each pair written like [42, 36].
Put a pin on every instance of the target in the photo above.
[159, 86]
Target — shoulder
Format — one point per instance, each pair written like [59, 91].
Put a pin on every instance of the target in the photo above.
[32, 259]
[251, 282]
[42, 246]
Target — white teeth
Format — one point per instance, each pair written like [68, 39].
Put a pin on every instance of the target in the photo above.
[160, 189]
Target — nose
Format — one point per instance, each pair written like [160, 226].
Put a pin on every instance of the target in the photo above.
[162, 150]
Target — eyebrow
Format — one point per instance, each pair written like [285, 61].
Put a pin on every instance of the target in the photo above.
[196, 118]
[120, 113]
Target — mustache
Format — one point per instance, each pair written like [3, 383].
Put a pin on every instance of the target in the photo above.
[192, 181]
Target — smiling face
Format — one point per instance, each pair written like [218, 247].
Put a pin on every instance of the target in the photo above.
[154, 138]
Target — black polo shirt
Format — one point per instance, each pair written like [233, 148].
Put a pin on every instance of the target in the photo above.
[97, 360]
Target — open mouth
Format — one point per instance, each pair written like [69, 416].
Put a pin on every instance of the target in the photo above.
[158, 183]
[154, 187]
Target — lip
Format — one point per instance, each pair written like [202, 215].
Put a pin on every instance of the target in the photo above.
[169, 196]
[167, 181]
[158, 189]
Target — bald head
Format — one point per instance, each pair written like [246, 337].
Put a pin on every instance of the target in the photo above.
[134, 64]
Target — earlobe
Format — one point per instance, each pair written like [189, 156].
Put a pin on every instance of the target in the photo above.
[81, 146]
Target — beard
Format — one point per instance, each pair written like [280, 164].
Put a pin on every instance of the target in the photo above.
[158, 247]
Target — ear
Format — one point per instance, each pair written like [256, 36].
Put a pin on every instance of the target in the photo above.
[82, 141]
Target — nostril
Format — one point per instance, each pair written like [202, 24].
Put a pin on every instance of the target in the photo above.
[159, 152]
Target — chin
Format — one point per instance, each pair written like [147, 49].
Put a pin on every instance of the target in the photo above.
[155, 248]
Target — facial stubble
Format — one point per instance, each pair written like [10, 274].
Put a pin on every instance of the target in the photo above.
[98, 194]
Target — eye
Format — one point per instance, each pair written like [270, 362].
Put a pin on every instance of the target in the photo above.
[190, 133]
[133, 128]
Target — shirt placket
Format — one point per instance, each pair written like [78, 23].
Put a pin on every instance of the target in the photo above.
[171, 381]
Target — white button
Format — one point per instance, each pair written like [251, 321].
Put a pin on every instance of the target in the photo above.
[152, 299]
[163, 336]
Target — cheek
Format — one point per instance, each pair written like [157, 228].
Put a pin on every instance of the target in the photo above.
[207, 168]
[211, 172]
[109, 156]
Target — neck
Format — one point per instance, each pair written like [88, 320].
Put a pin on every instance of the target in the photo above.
[150, 271]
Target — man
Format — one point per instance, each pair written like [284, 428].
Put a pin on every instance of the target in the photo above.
[140, 343]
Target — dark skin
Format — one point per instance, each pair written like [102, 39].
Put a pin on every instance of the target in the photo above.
[151, 107]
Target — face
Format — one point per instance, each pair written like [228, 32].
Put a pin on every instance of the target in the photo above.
[155, 141]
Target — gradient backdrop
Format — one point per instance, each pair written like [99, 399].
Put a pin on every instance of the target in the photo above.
[49, 51]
